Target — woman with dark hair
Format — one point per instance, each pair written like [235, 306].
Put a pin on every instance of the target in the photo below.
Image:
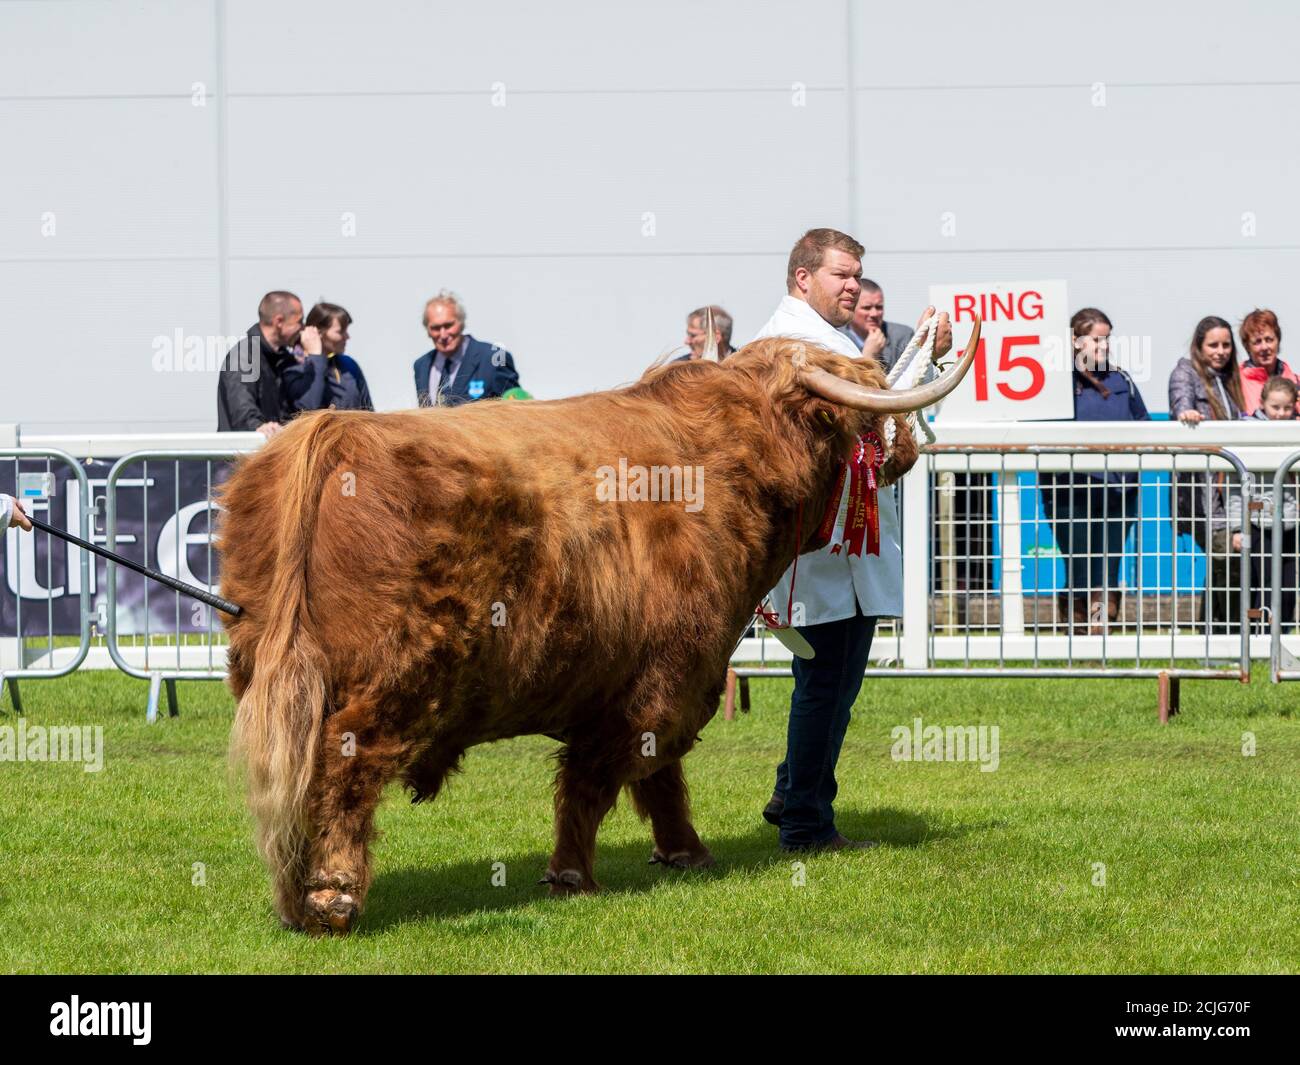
[1091, 513]
[1261, 337]
[1205, 385]
[329, 380]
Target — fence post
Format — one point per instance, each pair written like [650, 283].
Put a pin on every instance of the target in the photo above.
[12, 684]
[158, 677]
[1275, 583]
[19, 665]
[916, 565]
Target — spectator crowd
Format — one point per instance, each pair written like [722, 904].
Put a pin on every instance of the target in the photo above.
[287, 364]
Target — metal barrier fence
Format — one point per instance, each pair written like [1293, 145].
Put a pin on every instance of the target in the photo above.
[1285, 584]
[44, 653]
[1040, 561]
[195, 647]
[1134, 569]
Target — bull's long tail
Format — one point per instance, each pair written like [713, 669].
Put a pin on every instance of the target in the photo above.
[278, 723]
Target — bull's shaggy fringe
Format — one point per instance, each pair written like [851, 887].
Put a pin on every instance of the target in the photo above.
[418, 582]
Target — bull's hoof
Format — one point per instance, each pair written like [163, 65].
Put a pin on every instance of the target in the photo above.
[330, 913]
[569, 882]
[700, 859]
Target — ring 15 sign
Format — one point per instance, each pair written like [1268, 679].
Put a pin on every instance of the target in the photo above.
[1021, 370]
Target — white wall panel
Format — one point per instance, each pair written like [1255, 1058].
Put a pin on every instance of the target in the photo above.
[574, 46]
[104, 47]
[534, 211]
[545, 175]
[122, 178]
[80, 339]
[1027, 42]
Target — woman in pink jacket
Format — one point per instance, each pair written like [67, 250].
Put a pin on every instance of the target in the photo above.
[1261, 338]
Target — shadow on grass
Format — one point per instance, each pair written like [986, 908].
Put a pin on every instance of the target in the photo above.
[433, 892]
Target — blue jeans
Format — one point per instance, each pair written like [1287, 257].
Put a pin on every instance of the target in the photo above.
[824, 690]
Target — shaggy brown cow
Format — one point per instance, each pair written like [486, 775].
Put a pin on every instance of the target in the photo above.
[415, 583]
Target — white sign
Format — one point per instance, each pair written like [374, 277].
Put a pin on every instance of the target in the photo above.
[1023, 369]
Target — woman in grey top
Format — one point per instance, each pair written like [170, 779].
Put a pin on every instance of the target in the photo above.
[1205, 383]
[1205, 386]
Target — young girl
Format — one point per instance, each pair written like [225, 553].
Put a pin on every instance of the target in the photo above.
[1277, 402]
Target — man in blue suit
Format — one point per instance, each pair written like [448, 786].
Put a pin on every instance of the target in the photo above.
[459, 369]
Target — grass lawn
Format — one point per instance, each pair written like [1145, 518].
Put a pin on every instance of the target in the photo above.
[979, 871]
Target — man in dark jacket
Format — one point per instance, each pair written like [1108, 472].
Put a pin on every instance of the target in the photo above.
[248, 389]
[884, 341]
[459, 369]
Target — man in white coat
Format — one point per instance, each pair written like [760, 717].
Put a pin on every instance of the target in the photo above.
[837, 597]
[12, 511]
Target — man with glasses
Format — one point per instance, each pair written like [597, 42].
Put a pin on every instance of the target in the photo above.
[459, 369]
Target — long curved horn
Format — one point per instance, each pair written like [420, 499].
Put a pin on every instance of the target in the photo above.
[885, 400]
[711, 344]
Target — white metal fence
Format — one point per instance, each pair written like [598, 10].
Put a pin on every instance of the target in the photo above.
[35, 649]
[193, 646]
[1029, 553]
[1284, 588]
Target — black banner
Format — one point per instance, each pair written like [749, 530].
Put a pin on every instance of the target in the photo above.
[164, 519]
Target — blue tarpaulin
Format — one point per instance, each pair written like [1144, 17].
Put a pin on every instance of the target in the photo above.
[1043, 571]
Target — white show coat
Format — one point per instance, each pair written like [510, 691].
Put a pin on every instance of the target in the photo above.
[828, 585]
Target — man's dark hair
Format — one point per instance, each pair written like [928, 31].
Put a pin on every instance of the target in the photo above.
[810, 250]
[324, 315]
[277, 302]
[867, 285]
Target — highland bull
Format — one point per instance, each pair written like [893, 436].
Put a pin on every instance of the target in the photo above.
[416, 583]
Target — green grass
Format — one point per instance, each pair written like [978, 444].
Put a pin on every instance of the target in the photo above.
[979, 872]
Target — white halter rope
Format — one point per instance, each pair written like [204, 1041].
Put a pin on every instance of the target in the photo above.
[907, 373]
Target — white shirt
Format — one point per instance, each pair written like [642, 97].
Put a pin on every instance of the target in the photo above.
[6, 511]
[440, 367]
[830, 586]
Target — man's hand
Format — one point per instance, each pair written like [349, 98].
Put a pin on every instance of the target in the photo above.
[1236, 541]
[943, 335]
[269, 429]
[19, 517]
[310, 341]
[874, 343]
